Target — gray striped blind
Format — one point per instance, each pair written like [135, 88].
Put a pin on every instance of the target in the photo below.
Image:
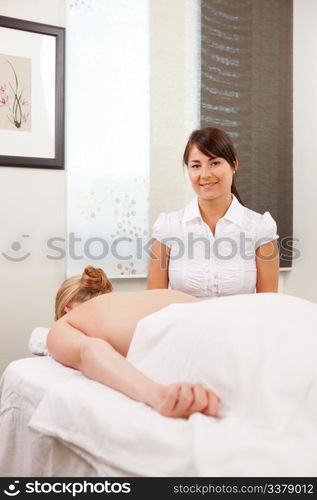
[246, 89]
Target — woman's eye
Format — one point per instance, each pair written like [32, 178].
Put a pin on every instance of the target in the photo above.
[196, 165]
[215, 163]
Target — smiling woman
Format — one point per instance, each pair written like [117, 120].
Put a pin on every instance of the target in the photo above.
[210, 176]
[215, 245]
[213, 146]
[212, 162]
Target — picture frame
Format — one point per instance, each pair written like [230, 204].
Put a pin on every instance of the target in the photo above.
[32, 87]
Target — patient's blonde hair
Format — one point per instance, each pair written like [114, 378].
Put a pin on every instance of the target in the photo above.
[91, 283]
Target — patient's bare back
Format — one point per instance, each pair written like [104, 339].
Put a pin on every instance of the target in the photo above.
[114, 316]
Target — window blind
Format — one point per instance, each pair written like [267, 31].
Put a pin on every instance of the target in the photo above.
[246, 89]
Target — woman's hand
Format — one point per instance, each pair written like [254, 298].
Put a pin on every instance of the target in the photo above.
[182, 400]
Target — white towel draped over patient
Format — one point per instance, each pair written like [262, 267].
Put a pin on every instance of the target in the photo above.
[257, 352]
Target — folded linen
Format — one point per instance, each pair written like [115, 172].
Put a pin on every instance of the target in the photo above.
[37, 341]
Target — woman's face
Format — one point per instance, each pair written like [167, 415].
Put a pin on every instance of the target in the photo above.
[210, 177]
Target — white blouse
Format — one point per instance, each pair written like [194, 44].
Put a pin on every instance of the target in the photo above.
[206, 265]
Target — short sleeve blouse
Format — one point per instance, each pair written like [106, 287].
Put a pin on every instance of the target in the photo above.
[206, 265]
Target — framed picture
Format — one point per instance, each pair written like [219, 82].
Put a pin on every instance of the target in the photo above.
[32, 60]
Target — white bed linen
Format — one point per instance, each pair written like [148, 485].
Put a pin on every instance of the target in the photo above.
[28, 453]
[258, 352]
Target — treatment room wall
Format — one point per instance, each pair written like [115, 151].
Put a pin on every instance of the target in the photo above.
[32, 201]
[302, 279]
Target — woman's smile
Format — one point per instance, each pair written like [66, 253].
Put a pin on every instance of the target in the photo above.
[208, 185]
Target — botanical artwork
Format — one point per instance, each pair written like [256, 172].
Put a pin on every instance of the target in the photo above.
[15, 93]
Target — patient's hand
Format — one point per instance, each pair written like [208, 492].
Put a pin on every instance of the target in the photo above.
[181, 400]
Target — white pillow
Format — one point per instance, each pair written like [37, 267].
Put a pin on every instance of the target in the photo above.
[37, 341]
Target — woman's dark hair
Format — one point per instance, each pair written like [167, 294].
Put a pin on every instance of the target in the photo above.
[215, 143]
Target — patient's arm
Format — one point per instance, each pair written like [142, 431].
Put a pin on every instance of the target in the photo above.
[98, 360]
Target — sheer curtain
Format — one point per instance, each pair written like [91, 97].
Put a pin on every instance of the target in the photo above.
[107, 132]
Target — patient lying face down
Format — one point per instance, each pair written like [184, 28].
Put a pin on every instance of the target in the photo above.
[93, 333]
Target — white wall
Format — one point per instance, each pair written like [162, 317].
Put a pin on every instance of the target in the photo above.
[40, 11]
[302, 279]
[32, 202]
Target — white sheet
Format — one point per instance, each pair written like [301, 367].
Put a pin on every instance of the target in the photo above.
[28, 453]
[258, 352]
[115, 430]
